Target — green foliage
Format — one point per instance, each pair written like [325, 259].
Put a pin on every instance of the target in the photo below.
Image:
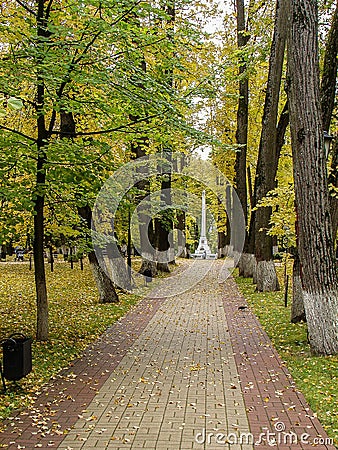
[282, 221]
[110, 67]
[315, 376]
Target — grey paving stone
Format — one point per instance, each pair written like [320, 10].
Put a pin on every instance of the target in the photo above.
[174, 382]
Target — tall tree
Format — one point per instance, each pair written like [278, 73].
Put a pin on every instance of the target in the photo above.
[43, 135]
[267, 163]
[71, 58]
[328, 98]
[315, 241]
[242, 130]
[164, 223]
[105, 285]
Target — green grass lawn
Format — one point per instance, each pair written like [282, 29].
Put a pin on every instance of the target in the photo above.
[76, 320]
[316, 377]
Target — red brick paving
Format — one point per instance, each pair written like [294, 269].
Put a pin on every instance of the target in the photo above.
[270, 395]
[58, 407]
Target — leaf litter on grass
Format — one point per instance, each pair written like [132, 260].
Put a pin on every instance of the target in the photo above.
[75, 319]
[315, 376]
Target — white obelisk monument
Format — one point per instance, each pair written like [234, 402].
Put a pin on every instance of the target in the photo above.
[203, 247]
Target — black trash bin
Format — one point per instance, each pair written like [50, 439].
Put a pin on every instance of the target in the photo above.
[17, 356]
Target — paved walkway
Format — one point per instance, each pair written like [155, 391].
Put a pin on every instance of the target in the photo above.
[192, 371]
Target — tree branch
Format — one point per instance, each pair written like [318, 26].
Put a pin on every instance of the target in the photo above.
[111, 130]
[75, 61]
[29, 102]
[49, 6]
[26, 7]
[19, 133]
[125, 14]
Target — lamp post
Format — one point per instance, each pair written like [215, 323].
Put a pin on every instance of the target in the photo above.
[327, 143]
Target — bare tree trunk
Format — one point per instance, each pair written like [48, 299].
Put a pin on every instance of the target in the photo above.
[105, 285]
[329, 76]
[242, 133]
[39, 267]
[106, 288]
[182, 250]
[316, 249]
[267, 156]
[327, 98]
[297, 309]
[246, 265]
[117, 269]
[39, 202]
[333, 181]
[163, 223]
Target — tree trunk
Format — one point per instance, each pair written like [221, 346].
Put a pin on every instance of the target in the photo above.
[266, 280]
[242, 112]
[181, 243]
[297, 309]
[162, 246]
[228, 249]
[329, 76]
[248, 271]
[105, 285]
[146, 250]
[118, 269]
[316, 249]
[39, 266]
[223, 241]
[146, 232]
[106, 288]
[246, 265]
[242, 129]
[182, 246]
[39, 202]
[224, 231]
[254, 272]
[333, 181]
[163, 224]
[51, 258]
[267, 156]
[327, 99]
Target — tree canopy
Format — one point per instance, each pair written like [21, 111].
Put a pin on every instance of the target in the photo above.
[87, 87]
